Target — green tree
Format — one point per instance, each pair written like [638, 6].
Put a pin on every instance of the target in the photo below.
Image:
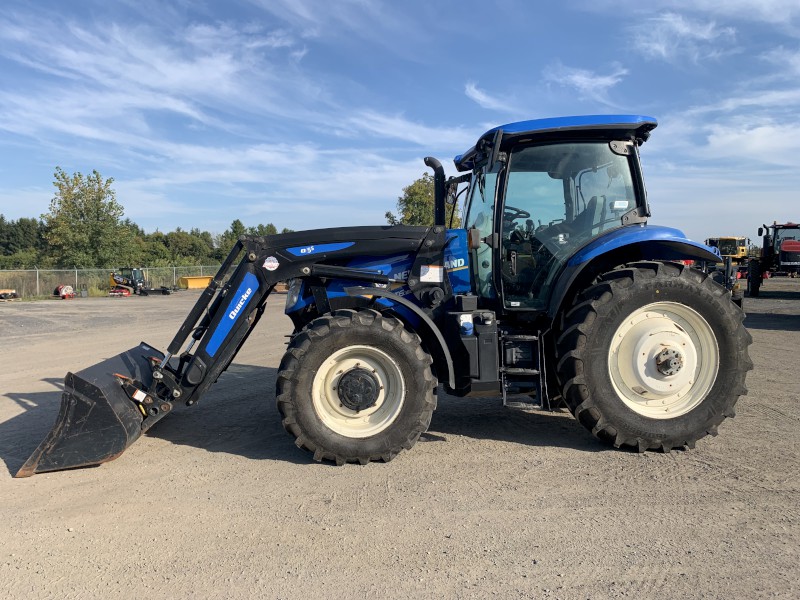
[204, 243]
[84, 226]
[21, 244]
[226, 241]
[262, 230]
[415, 206]
[22, 235]
[5, 231]
[154, 250]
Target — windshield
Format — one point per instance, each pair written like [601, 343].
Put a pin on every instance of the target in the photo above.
[557, 198]
[786, 234]
[728, 247]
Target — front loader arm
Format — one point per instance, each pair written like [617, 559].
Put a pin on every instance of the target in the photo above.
[106, 407]
[224, 315]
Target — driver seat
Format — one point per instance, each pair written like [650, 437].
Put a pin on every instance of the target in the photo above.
[585, 219]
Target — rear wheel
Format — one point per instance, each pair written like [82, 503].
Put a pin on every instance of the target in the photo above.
[356, 386]
[654, 356]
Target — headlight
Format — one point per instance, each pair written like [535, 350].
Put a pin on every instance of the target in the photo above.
[293, 293]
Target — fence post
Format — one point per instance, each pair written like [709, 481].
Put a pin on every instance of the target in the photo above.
[37, 281]
[174, 280]
[76, 279]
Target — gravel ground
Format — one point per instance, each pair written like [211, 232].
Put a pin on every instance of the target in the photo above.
[217, 502]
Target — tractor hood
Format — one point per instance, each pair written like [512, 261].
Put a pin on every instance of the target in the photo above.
[790, 246]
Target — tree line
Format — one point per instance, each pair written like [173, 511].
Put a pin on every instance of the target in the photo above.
[85, 228]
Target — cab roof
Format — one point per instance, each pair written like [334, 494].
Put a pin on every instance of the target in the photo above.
[586, 126]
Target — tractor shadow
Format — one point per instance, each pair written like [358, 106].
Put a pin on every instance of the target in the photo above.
[238, 416]
[772, 321]
[488, 419]
[780, 294]
[20, 435]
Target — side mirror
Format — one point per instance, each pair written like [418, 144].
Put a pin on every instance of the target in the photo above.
[473, 239]
[760, 231]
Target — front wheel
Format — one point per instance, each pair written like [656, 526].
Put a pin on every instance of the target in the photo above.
[654, 356]
[356, 386]
[754, 279]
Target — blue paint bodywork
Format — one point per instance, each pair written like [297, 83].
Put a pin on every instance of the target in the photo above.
[398, 266]
[235, 308]
[638, 235]
[319, 248]
[624, 124]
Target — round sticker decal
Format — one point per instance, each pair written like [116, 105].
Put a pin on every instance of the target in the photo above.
[271, 263]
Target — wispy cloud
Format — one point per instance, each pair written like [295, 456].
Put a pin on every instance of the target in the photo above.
[400, 128]
[588, 83]
[96, 76]
[769, 11]
[743, 130]
[781, 13]
[384, 24]
[484, 100]
[764, 143]
[787, 61]
[672, 36]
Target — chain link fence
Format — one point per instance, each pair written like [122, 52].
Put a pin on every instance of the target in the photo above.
[33, 283]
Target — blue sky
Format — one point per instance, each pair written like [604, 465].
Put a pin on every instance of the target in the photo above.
[316, 113]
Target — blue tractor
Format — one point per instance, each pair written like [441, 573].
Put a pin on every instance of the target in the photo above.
[554, 289]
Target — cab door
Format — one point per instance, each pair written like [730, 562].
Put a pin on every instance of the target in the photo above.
[480, 216]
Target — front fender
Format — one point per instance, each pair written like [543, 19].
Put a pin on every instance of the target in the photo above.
[432, 333]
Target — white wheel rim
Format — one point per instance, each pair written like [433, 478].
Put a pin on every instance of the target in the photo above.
[663, 331]
[369, 421]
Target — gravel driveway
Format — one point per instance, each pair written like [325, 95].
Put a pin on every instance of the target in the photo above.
[217, 502]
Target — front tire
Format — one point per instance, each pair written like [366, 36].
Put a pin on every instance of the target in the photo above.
[653, 357]
[356, 386]
[754, 277]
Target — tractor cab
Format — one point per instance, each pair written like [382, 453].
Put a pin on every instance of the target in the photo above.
[134, 275]
[781, 251]
[538, 194]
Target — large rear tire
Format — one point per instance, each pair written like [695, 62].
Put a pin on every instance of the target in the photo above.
[356, 386]
[653, 357]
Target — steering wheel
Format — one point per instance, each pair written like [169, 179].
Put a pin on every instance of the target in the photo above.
[512, 212]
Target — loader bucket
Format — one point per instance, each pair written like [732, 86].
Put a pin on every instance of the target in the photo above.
[97, 420]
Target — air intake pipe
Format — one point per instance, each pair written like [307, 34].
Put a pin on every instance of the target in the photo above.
[439, 212]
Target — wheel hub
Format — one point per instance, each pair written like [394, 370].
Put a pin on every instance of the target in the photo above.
[669, 361]
[358, 389]
[663, 360]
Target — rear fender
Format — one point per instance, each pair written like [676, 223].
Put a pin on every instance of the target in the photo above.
[622, 246]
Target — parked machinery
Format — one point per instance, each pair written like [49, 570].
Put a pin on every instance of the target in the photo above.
[780, 254]
[128, 281]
